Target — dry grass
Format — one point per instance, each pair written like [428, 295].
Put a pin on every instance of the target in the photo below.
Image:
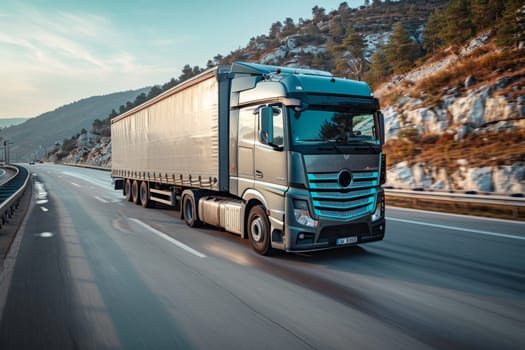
[480, 150]
[485, 67]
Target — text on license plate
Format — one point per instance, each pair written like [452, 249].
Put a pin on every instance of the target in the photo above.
[346, 240]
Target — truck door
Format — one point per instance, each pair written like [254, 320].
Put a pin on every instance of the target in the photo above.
[270, 160]
[245, 151]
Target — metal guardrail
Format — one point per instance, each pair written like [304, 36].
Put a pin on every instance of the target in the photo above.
[11, 193]
[506, 206]
[460, 197]
[89, 166]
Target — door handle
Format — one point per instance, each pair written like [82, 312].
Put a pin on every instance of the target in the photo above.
[258, 174]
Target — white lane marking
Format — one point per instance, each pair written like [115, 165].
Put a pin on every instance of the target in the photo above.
[94, 181]
[45, 235]
[41, 193]
[44, 209]
[169, 239]
[105, 200]
[75, 184]
[437, 213]
[101, 199]
[487, 233]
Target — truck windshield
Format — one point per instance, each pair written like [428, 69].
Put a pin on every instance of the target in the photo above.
[325, 125]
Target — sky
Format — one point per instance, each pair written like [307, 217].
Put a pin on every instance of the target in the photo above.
[59, 51]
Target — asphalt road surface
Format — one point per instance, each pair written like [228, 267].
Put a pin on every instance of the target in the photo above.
[6, 174]
[92, 271]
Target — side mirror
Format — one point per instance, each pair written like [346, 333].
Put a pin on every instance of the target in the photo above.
[266, 132]
[381, 120]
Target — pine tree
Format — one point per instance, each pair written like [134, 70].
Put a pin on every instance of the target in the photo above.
[352, 66]
[481, 17]
[289, 27]
[379, 67]
[457, 26]
[510, 28]
[431, 34]
[318, 14]
[154, 91]
[401, 50]
[275, 29]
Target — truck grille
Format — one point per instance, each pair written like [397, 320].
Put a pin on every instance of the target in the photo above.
[332, 199]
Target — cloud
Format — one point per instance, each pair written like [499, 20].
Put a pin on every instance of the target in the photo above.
[57, 56]
[167, 42]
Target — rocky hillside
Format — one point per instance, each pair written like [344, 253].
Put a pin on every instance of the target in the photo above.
[458, 123]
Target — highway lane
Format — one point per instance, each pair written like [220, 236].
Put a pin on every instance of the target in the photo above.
[94, 271]
[6, 174]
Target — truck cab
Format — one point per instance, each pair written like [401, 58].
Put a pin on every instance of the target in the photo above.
[306, 147]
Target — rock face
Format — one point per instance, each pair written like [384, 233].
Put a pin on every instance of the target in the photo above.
[498, 106]
[91, 150]
[502, 179]
[455, 115]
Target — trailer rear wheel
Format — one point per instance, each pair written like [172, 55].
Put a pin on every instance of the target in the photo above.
[190, 210]
[259, 230]
[127, 190]
[135, 192]
[145, 195]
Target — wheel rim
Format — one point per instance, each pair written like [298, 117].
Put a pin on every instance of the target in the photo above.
[257, 229]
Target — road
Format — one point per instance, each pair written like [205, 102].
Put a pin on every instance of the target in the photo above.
[93, 271]
[6, 174]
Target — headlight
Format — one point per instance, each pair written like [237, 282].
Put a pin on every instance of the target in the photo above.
[302, 214]
[380, 208]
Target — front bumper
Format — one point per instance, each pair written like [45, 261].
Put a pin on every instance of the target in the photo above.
[329, 235]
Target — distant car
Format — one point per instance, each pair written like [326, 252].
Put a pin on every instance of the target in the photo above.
[31, 163]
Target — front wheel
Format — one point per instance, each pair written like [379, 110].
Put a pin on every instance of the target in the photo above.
[259, 231]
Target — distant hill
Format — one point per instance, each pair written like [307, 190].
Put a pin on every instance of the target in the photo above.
[7, 122]
[34, 137]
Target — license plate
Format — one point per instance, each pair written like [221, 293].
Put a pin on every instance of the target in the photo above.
[346, 240]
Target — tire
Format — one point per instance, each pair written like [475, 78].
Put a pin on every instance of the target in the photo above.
[135, 193]
[127, 190]
[190, 211]
[259, 231]
[145, 195]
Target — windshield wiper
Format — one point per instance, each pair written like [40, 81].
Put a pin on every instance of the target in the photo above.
[347, 142]
[333, 143]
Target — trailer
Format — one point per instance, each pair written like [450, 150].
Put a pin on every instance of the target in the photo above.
[289, 158]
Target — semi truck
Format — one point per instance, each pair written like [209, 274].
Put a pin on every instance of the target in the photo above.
[288, 158]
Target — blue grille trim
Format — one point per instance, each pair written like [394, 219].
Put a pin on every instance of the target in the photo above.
[332, 200]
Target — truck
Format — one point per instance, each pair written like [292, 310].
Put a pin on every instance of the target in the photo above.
[288, 158]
